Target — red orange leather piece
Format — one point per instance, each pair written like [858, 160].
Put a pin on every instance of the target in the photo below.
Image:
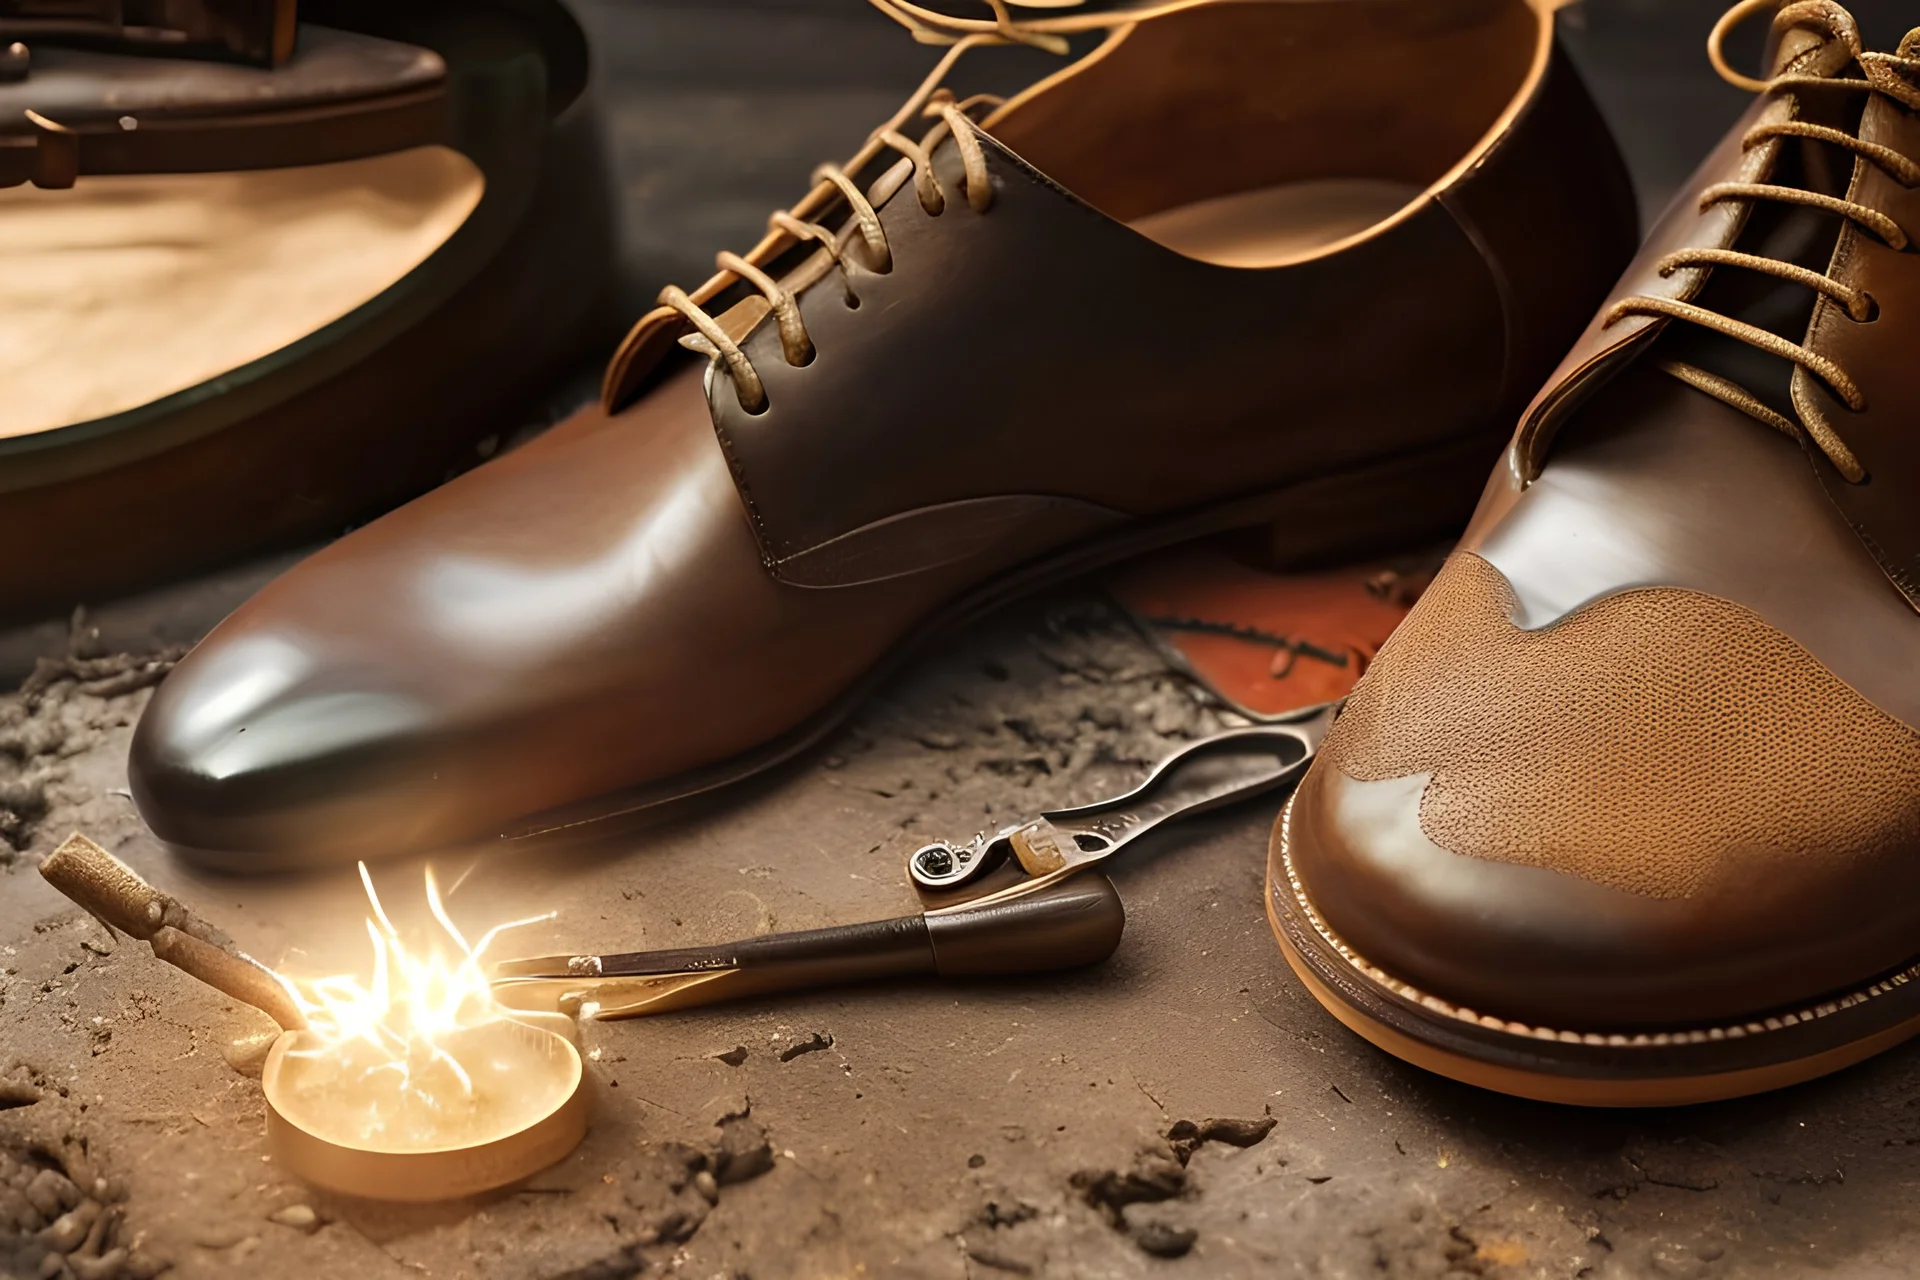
[1270, 642]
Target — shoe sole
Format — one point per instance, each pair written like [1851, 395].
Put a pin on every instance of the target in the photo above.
[1415, 497]
[1661, 1067]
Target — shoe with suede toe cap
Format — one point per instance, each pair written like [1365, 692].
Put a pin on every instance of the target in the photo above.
[1627, 812]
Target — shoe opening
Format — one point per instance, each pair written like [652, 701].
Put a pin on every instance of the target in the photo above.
[1259, 133]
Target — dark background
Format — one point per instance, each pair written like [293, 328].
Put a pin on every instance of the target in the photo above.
[717, 110]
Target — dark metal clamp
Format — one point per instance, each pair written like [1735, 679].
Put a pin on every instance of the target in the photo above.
[1214, 771]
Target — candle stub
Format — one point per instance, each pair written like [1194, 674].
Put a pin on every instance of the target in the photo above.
[471, 1086]
[413, 1083]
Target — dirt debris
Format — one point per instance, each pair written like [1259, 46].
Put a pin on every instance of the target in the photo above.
[743, 1152]
[23, 802]
[58, 712]
[1154, 1177]
[995, 1260]
[1160, 1174]
[60, 1218]
[1163, 1241]
[1186, 1137]
[996, 1214]
[105, 677]
[1084, 1071]
[17, 1093]
[300, 1217]
[1107, 707]
[812, 1044]
[666, 1194]
[93, 670]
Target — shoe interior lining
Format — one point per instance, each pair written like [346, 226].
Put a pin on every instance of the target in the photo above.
[1275, 225]
[124, 289]
[1238, 99]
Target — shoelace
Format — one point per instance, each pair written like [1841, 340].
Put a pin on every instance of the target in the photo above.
[835, 184]
[712, 340]
[1884, 73]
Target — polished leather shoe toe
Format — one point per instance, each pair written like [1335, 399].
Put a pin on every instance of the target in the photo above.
[501, 653]
[1628, 810]
[1122, 308]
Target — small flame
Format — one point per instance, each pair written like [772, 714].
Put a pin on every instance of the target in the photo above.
[391, 1043]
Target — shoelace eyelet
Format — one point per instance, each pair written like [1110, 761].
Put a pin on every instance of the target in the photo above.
[797, 225]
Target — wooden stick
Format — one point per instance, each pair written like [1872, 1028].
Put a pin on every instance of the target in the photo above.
[114, 894]
[236, 973]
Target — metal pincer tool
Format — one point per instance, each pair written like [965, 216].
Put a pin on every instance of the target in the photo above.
[1214, 771]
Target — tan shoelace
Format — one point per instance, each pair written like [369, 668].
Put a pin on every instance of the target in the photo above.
[835, 184]
[712, 340]
[1884, 73]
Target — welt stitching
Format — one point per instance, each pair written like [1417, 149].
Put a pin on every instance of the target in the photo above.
[1617, 1040]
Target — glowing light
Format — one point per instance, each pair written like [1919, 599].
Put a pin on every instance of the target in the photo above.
[412, 1058]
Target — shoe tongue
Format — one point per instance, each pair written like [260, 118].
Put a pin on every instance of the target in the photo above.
[1765, 228]
[1780, 231]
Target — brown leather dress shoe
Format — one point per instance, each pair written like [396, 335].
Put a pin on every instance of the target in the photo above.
[1164, 292]
[1628, 810]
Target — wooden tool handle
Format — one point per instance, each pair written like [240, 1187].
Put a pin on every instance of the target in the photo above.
[1075, 922]
[237, 974]
[114, 894]
[1065, 925]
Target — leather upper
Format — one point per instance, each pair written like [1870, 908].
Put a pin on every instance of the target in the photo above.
[496, 653]
[1667, 485]
[1878, 355]
[973, 373]
[1874, 353]
[1006, 332]
[1657, 811]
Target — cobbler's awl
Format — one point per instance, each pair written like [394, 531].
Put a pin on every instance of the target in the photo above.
[1074, 924]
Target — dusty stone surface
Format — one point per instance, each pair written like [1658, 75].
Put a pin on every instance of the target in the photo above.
[1185, 1109]
[979, 1130]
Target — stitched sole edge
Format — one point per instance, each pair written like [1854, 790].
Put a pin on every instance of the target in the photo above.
[1615, 1069]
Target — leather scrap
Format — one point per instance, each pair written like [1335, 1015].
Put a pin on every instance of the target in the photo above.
[1266, 642]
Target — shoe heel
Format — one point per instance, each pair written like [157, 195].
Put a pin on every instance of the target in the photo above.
[1415, 499]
